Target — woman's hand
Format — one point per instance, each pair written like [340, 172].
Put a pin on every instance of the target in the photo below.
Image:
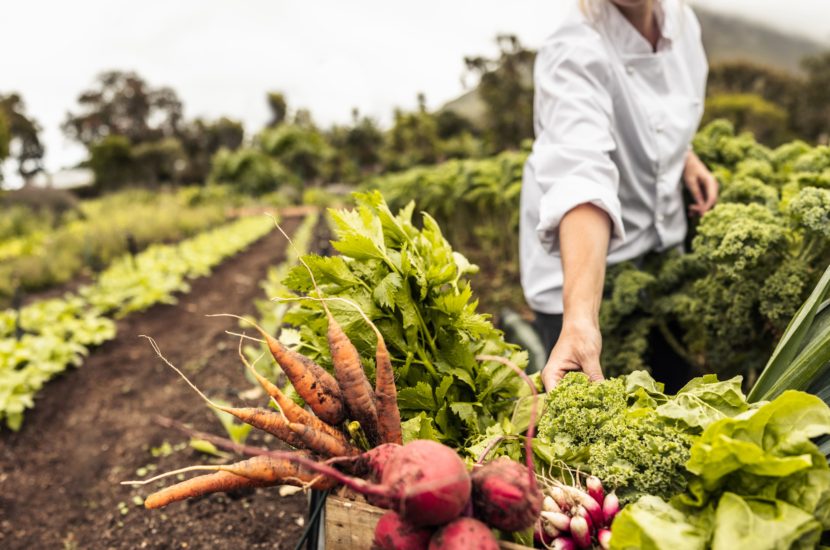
[577, 349]
[701, 184]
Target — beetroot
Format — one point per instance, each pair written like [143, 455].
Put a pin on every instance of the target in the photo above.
[392, 533]
[464, 534]
[428, 482]
[504, 496]
[424, 481]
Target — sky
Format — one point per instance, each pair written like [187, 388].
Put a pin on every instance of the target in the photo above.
[222, 56]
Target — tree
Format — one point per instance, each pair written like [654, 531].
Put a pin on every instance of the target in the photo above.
[111, 161]
[5, 138]
[123, 104]
[279, 109]
[251, 171]
[412, 140]
[159, 161]
[201, 139]
[506, 87]
[23, 136]
[302, 150]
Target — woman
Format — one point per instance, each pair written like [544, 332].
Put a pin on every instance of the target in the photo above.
[619, 95]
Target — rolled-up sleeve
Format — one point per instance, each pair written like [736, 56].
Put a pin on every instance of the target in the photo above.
[571, 160]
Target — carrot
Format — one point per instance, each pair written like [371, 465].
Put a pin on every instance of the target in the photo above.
[316, 386]
[291, 410]
[357, 391]
[272, 422]
[386, 394]
[198, 486]
[259, 471]
[389, 416]
[322, 442]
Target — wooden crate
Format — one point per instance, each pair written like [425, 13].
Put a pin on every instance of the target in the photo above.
[350, 525]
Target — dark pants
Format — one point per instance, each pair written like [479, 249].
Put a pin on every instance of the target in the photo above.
[667, 366]
[548, 325]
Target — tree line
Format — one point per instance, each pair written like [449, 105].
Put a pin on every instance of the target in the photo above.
[137, 134]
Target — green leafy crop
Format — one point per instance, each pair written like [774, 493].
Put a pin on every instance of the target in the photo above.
[615, 430]
[753, 260]
[757, 482]
[412, 284]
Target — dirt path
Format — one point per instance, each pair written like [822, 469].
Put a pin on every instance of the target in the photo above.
[93, 427]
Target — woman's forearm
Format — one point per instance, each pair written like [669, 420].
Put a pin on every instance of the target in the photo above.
[584, 234]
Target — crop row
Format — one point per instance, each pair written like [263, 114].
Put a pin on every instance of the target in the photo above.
[41, 340]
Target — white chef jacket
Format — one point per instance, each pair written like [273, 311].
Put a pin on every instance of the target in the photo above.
[613, 121]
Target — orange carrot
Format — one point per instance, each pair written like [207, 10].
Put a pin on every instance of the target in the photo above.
[198, 486]
[358, 395]
[316, 386]
[357, 392]
[266, 420]
[386, 394]
[259, 471]
[321, 442]
[289, 408]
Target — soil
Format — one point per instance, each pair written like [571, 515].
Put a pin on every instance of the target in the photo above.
[94, 427]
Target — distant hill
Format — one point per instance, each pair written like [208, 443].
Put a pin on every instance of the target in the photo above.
[725, 38]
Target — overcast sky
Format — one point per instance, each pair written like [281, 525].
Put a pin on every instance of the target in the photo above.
[221, 56]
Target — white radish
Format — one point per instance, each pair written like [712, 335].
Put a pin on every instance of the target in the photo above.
[558, 519]
[610, 507]
[580, 532]
[604, 538]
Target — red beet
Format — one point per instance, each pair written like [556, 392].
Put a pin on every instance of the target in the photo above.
[428, 481]
[392, 533]
[424, 481]
[504, 496]
[464, 534]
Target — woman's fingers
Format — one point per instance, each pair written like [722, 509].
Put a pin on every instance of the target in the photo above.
[710, 183]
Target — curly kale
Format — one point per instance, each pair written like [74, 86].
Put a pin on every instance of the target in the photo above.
[785, 156]
[735, 238]
[750, 190]
[810, 210]
[632, 449]
[622, 319]
[753, 260]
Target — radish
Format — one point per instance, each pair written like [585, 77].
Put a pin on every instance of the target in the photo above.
[610, 507]
[564, 543]
[392, 533]
[505, 496]
[595, 489]
[549, 505]
[580, 531]
[561, 499]
[604, 538]
[544, 533]
[593, 508]
[464, 534]
[557, 519]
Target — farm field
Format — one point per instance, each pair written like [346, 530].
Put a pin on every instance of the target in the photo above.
[94, 427]
[268, 292]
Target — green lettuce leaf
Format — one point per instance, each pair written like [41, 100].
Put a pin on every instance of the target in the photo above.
[757, 524]
[653, 524]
